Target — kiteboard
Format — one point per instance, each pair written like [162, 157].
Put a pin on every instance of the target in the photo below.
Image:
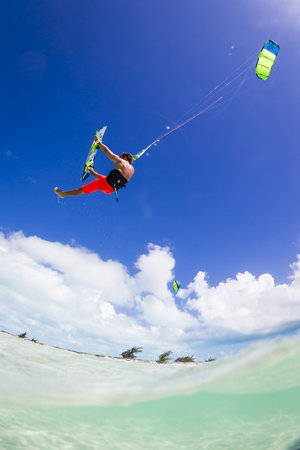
[91, 155]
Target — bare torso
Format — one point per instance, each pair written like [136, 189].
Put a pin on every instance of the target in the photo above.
[124, 168]
[121, 164]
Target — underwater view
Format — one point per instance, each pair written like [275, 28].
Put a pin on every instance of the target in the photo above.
[54, 398]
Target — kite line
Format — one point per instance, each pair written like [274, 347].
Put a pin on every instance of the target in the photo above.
[208, 97]
[138, 155]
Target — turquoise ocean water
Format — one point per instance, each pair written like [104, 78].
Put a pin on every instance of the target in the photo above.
[56, 399]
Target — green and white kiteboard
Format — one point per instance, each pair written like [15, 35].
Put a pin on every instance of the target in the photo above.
[91, 155]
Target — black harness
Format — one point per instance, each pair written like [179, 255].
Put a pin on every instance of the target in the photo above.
[116, 180]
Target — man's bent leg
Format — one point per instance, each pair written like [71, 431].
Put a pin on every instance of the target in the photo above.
[98, 185]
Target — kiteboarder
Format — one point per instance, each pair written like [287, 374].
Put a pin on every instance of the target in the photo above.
[115, 180]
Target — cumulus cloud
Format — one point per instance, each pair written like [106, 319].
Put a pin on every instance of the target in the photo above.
[246, 306]
[69, 296]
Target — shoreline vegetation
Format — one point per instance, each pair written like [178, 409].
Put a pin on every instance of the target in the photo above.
[127, 355]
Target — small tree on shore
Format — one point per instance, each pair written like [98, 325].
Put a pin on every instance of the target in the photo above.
[211, 358]
[130, 353]
[164, 357]
[22, 335]
[185, 359]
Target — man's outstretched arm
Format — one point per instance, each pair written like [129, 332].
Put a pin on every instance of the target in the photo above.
[112, 156]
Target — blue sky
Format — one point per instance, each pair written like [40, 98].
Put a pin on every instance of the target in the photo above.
[222, 193]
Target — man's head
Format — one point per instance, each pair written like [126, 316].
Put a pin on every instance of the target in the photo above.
[127, 157]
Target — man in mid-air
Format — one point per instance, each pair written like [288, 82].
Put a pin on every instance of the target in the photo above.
[115, 180]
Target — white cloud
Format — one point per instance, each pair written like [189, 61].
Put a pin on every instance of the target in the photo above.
[155, 271]
[165, 313]
[77, 267]
[246, 305]
[69, 296]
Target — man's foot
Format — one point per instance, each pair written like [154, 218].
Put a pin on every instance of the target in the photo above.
[59, 192]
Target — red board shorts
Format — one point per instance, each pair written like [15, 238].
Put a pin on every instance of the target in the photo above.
[98, 185]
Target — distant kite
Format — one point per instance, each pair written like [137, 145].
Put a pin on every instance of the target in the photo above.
[176, 286]
[266, 59]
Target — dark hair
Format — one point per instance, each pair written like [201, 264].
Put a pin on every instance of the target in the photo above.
[128, 156]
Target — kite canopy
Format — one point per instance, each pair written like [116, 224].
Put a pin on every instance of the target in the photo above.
[176, 285]
[266, 59]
